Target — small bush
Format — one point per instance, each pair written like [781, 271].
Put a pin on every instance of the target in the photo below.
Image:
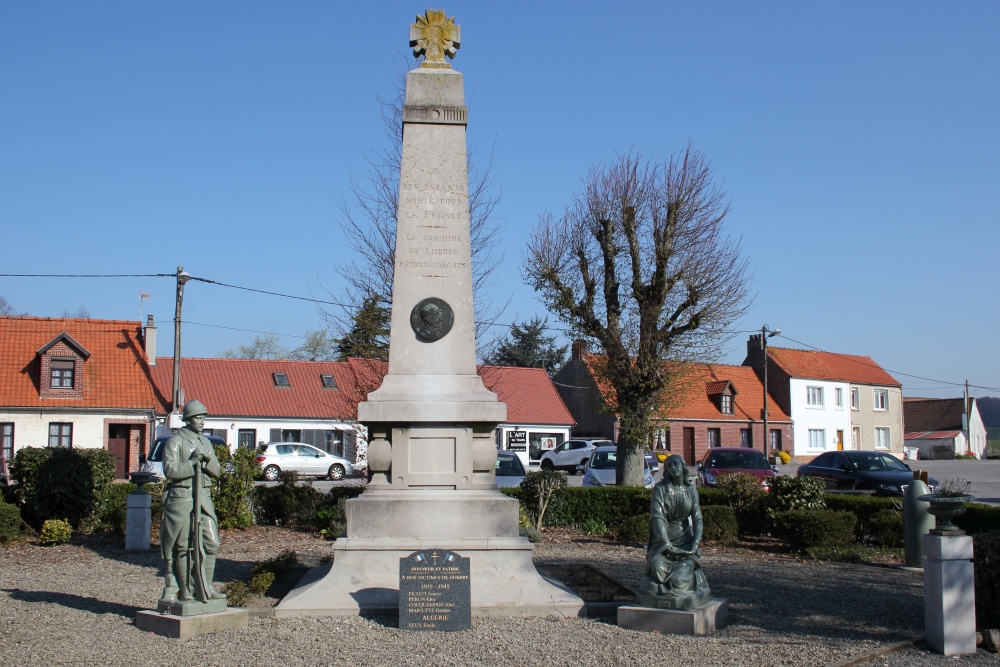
[744, 495]
[634, 529]
[237, 593]
[60, 483]
[719, 524]
[712, 496]
[532, 533]
[611, 505]
[784, 457]
[287, 504]
[986, 563]
[55, 531]
[110, 510]
[10, 522]
[233, 491]
[330, 518]
[979, 518]
[795, 493]
[259, 583]
[865, 508]
[885, 529]
[594, 527]
[540, 490]
[804, 529]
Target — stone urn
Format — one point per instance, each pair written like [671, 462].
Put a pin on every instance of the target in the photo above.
[944, 509]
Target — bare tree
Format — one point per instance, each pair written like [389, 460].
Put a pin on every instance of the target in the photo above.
[6, 307]
[318, 346]
[82, 313]
[368, 219]
[640, 263]
[263, 346]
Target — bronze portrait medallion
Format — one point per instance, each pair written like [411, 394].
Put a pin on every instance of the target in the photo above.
[432, 319]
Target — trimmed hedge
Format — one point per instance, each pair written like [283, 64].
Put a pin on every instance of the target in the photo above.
[865, 508]
[10, 522]
[986, 561]
[979, 518]
[635, 529]
[60, 483]
[804, 529]
[574, 506]
[286, 504]
[719, 524]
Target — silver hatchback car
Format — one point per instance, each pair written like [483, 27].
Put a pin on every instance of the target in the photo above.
[303, 459]
[601, 469]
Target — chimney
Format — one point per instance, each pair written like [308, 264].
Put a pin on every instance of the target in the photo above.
[579, 349]
[755, 353]
[149, 341]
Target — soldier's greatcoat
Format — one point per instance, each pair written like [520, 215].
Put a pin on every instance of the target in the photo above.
[180, 456]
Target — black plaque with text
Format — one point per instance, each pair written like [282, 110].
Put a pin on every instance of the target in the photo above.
[434, 591]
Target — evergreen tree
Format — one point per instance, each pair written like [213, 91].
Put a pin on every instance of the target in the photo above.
[527, 346]
[369, 334]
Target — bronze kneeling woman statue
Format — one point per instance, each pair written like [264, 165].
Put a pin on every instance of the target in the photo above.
[674, 578]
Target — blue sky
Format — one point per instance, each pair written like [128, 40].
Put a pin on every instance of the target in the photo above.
[859, 142]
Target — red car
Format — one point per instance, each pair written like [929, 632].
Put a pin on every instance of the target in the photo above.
[728, 460]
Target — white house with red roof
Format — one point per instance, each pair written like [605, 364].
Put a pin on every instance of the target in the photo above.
[837, 401]
[70, 382]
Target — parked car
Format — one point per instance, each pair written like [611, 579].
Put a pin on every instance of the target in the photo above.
[601, 468]
[304, 459]
[570, 454]
[509, 469]
[153, 462]
[652, 460]
[719, 461]
[880, 472]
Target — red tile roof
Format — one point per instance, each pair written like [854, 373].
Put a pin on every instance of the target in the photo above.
[932, 435]
[242, 387]
[816, 365]
[693, 385]
[115, 374]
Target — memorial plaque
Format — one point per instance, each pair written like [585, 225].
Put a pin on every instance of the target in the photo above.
[434, 591]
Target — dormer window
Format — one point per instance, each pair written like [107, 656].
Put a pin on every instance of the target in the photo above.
[62, 373]
[726, 404]
[328, 381]
[281, 380]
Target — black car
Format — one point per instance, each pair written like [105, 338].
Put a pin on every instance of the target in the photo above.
[880, 472]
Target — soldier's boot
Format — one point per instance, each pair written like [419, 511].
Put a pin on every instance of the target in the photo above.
[169, 593]
[182, 573]
[210, 578]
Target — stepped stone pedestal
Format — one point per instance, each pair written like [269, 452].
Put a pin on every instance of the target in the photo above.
[431, 424]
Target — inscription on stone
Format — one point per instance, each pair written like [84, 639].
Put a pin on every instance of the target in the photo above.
[434, 591]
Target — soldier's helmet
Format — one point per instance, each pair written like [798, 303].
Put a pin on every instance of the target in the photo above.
[193, 409]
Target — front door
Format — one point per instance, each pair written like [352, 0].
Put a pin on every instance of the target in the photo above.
[118, 435]
[840, 439]
[689, 446]
[247, 437]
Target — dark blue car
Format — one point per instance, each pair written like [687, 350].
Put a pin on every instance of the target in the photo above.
[879, 472]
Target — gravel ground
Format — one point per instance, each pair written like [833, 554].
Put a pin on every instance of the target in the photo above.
[75, 604]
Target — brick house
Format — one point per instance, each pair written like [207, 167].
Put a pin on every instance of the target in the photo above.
[69, 382]
[709, 405]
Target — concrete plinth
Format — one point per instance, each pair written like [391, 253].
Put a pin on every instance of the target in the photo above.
[386, 526]
[182, 627]
[138, 520]
[703, 620]
[949, 595]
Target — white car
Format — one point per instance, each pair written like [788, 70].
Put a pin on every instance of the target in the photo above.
[509, 469]
[303, 459]
[571, 454]
[601, 469]
[154, 462]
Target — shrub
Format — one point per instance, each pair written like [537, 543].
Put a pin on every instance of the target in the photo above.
[744, 495]
[532, 533]
[795, 493]
[979, 518]
[540, 489]
[865, 508]
[803, 529]
[712, 496]
[594, 527]
[634, 529]
[259, 583]
[611, 505]
[330, 518]
[55, 531]
[110, 510]
[885, 529]
[59, 482]
[719, 524]
[233, 491]
[286, 504]
[986, 562]
[10, 522]
[784, 457]
[237, 593]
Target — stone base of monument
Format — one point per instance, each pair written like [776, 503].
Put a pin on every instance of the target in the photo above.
[181, 627]
[384, 526]
[703, 620]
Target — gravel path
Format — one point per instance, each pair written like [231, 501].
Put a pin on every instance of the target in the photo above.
[75, 604]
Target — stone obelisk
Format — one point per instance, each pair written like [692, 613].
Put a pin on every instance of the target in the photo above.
[431, 423]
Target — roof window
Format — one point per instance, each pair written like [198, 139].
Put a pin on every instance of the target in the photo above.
[281, 380]
[328, 381]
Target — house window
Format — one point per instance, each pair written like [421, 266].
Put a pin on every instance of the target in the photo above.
[817, 438]
[291, 435]
[775, 439]
[7, 441]
[746, 437]
[714, 437]
[62, 373]
[881, 437]
[281, 380]
[855, 399]
[60, 434]
[814, 396]
[880, 399]
[328, 381]
[726, 404]
[838, 396]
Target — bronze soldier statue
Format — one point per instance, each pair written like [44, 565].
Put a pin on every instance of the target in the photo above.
[189, 531]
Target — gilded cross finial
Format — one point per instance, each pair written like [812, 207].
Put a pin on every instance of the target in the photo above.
[435, 36]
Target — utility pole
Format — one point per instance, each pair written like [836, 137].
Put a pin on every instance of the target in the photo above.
[182, 278]
[766, 333]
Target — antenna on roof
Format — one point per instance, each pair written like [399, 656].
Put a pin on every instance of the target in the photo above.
[143, 297]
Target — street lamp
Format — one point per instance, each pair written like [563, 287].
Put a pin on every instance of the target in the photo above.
[182, 278]
[766, 333]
